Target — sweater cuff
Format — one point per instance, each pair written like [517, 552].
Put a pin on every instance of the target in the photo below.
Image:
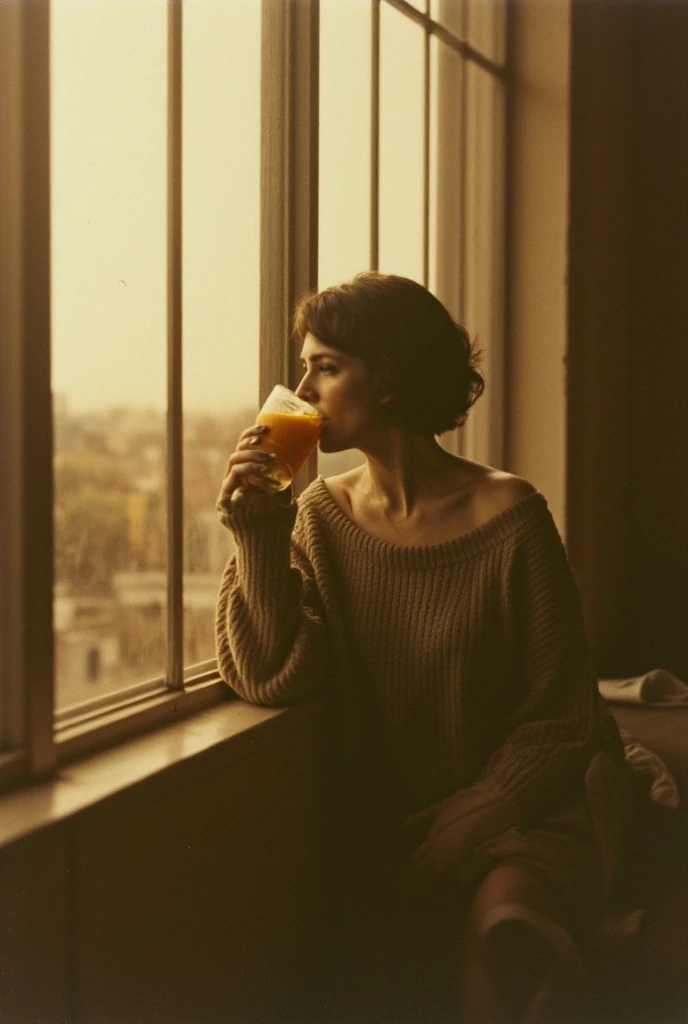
[257, 509]
[482, 809]
[462, 823]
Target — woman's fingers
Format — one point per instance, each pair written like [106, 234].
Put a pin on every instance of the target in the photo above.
[249, 440]
[247, 466]
[251, 444]
[242, 455]
[244, 475]
[255, 431]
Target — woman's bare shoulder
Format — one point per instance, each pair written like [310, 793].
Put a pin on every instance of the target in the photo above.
[478, 494]
[496, 491]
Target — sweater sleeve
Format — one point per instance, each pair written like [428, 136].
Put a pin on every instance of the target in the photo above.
[271, 637]
[557, 725]
[557, 722]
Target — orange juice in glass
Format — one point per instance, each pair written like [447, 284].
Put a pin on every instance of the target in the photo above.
[294, 431]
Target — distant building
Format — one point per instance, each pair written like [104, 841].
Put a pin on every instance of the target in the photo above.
[87, 647]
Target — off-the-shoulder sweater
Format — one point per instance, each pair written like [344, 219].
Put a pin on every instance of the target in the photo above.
[454, 668]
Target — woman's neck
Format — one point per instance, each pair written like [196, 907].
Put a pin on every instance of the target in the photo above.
[404, 471]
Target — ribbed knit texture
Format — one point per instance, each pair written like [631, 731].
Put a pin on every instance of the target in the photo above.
[460, 666]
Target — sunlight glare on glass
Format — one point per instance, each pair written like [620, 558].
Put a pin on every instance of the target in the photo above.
[484, 240]
[108, 251]
[221, 238]
[401, 144]
[344, 173]
[345, 180]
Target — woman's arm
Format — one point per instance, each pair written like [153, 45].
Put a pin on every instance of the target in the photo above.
[271, 637]
[271, 640]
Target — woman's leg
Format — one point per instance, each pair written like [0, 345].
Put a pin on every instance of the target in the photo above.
[519, 961]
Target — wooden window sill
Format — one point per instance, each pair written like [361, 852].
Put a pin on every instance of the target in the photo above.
[241, 728]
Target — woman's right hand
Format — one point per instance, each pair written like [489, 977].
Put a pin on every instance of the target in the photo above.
[247, 465]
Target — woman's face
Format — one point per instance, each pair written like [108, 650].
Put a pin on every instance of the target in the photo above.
[341, 389]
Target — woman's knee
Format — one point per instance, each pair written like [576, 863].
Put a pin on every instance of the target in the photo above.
[518, 923]
[519, 960]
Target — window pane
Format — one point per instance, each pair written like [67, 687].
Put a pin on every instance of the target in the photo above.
[221, 230]
[481, 23]
[483, 272]
[401, 145]
[485, 27]
[344, 188]
[345, 82]
[450, 14]
[446, 175]
[446, 183]
[109, 315]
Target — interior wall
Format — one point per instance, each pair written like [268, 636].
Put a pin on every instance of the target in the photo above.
[597, 308]
[599, 320]
[658, 371]
[536, 260]
[192, 896]
[627, 472]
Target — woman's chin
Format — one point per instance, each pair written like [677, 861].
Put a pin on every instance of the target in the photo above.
[328, 445]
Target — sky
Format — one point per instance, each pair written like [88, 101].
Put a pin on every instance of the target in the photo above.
[108, 187]
[109, 203]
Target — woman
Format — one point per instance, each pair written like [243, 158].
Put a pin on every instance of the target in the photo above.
[430, 597]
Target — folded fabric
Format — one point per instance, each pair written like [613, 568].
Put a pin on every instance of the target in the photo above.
[655, 687]
[650, 773]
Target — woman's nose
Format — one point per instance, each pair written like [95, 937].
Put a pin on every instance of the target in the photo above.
[305, 391]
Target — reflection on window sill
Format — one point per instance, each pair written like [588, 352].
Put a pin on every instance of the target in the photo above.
[93, 779]
[129, 696]
[92, 726]
[13, 766]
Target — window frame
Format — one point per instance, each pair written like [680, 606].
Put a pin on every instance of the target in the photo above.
[487, 444]
[34, 739]
[26, 666]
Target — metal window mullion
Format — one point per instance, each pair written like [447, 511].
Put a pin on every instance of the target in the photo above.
[27, 409]
[446, 36]
[497, 383]
[304, 77]
[463, 441]
[289, 184]
[275, 116]
[375, 137]
[174, 465]
[34, 596]
[426, 160]
[11, 347]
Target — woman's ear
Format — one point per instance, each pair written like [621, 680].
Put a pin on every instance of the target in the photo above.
[382, 387]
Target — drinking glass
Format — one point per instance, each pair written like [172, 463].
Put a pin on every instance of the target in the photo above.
[294, 431]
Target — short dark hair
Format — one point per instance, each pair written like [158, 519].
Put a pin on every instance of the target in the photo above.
[425, 359]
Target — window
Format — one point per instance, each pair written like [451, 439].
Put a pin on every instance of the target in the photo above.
[412, 168]
[110, 323]
[177, 190]
[220, 283]
[109, 310]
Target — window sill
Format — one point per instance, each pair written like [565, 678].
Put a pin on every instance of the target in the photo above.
[96, 730]
[97, 777]
[94, 725]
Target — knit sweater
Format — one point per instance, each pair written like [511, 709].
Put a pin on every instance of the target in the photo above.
[457, 670]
